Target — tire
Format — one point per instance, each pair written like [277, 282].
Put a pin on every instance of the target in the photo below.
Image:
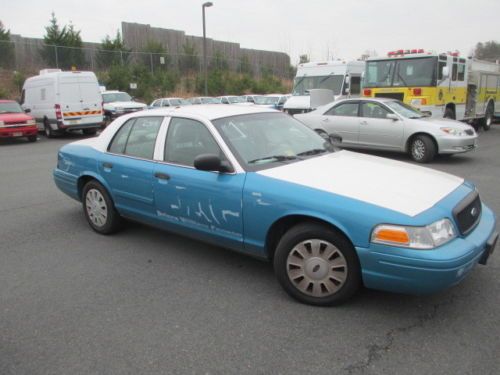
[32, 138]
[311, 280]
[488, 117]
[99, 209]
[422, 149]
[449, 113]
[323, 134]
[89, 131]
[48, 131]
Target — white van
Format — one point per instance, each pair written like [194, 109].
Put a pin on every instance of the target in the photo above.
[62, 101]
[341, 77]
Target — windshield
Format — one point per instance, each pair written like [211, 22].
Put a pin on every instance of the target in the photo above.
[10, 107]
[302, 85]
[210, 101]
[404, 109]
[261, 140]
[235, 99]
[178, 102]
[401, 73]
[267, 100]
[116, 97]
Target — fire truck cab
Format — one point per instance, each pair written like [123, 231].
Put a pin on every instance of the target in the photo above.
[442, 85]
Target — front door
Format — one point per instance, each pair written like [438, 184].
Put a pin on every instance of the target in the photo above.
[376, 130]
[202, 204]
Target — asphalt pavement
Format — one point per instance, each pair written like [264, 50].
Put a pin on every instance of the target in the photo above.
[145, 301]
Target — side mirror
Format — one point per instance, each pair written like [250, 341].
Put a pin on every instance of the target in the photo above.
[211, 163]
[445, 72]
[27, 110]
[392, 116]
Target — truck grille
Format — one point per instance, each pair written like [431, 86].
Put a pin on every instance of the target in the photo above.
[390, 95]
[468, 212]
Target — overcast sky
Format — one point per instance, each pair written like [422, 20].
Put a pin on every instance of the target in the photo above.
[320, 28]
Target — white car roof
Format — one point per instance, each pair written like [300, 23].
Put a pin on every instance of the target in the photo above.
[207, 111]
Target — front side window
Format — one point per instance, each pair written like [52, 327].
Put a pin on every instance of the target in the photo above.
[373, 110]
[346, 109]
[461, 72]
[137, 137]
[156, 103]
[404, 109]
[187, 139]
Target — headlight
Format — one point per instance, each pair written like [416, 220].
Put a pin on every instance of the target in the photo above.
[452, 131]
[31, 122]
[2, 124]
[428, 237]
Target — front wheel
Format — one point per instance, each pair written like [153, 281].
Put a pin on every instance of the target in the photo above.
[422, 149]
[99, 209]
[89, 131]
[317, 265]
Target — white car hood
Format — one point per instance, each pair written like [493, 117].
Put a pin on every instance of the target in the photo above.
[443, 122]
[298, 102]
[398, 186]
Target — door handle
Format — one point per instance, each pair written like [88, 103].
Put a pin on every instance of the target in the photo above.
[107, 165]
[162, 176]
[326, 119]
[363, 122]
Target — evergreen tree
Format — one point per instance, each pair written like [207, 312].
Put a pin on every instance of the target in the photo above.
[489, 51]
[6, 48]
[112, 52]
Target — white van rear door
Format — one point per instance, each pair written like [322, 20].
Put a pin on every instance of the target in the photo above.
[91, 99]
[69, 95]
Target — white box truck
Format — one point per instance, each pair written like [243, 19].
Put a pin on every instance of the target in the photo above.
[63, 101]
[343, 78]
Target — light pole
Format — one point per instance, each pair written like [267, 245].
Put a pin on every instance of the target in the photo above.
[205, 5]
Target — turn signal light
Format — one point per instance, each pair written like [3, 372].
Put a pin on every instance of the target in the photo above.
[367, 92]
[392, 235]
[417, 92]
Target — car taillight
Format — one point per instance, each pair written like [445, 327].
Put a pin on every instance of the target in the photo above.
[417, 92]
[58, 112]
[367, 92]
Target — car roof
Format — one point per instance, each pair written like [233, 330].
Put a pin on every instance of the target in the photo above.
[208, 111]
[380, 100]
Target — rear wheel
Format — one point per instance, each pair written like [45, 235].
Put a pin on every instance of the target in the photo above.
[488, 117]
[49, 132]
[317, 265]
[99, 209]
[422, 149]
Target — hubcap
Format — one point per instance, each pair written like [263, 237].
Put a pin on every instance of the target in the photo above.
[418, 149]
[97, 209]
[316, 268]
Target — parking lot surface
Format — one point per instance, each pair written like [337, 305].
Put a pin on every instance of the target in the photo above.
[145, 301]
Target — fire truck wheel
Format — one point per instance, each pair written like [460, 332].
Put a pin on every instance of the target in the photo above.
[449, 113]
[488, 118]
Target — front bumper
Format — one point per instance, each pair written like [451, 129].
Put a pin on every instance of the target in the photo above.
[428, 271]
[453, 145]
[18, 131]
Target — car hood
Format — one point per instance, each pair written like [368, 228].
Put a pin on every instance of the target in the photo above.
[298, 102]
[398, 186]
[125, 104]
[442, 122]
[14, 117]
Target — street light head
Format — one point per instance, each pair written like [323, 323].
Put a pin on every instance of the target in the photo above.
[207, 4]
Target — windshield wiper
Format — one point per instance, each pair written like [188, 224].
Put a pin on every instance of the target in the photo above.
[275, 157]
[314, 151]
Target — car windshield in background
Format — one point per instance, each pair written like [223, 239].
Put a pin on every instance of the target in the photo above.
[404, 109]
[404, 72]
[10, 107]
[302, 85]
[263, 139]
[116, 97]
[178, 102]
[210, 101]
[267, 100]
[235, 99]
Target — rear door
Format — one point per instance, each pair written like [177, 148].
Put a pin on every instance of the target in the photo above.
[376, 130]
[69, 97]
[342, 119]
[91, 100]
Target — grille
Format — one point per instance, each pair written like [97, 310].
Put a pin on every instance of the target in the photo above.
[128, 110]
[390, 95]
[14, 123]
[469, 132]
[468, 212]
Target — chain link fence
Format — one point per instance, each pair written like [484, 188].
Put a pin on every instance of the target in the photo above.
[33, 55]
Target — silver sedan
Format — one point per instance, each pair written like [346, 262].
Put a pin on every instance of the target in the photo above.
[388, 124]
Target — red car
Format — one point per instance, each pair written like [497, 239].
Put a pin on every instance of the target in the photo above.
[15, 123]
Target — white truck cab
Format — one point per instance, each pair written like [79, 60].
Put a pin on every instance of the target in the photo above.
[63, 101]
[343, 78]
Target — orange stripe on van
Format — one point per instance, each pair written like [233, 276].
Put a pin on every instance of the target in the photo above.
[83, 113]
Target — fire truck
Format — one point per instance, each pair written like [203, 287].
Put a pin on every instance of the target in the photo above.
[441, 85]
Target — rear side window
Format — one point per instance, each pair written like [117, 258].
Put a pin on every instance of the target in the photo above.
[346, 109]
[373, 110]
[137, 137]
